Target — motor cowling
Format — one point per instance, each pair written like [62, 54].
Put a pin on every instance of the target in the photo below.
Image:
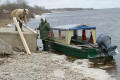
[104, 45]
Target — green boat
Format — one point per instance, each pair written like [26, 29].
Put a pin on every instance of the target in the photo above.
[76, 40]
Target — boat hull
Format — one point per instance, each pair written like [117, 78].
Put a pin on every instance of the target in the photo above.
[81, 53]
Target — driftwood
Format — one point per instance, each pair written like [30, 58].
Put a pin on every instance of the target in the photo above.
[21, 36]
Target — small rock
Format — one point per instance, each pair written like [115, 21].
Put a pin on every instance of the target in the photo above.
[59, 73]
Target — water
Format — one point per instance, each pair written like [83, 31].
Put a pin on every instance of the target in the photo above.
[107, 21]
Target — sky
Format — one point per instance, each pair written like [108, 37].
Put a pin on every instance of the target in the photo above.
[97, 4]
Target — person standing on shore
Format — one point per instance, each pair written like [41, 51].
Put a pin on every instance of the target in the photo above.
[20, 15]
[44, 29]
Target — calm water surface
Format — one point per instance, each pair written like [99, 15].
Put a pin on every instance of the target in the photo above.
[107, 21]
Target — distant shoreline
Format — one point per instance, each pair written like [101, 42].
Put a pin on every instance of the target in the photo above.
[5, 18]
[69, 9]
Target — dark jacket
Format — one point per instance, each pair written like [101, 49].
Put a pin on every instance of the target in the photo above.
[44, 28]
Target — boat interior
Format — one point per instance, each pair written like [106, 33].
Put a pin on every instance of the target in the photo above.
[72, 38]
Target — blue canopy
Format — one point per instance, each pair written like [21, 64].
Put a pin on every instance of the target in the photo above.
[73, 27]
[82, 27]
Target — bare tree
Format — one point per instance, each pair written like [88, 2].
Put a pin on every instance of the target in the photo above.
[21, 3]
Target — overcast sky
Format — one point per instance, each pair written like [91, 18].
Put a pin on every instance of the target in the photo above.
[98, 4]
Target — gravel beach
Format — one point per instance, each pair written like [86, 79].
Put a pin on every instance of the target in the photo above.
[37, 66]
[47, 66]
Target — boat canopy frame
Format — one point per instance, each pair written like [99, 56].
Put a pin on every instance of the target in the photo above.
[69, 30]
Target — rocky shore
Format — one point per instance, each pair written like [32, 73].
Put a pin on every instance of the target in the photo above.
[37, 66]
[46, 66]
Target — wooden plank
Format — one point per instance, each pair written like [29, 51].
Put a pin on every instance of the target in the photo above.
[68, 36]
[84, 46]
[28, 27]
[94, 36]
[60, 41]
[21, 36]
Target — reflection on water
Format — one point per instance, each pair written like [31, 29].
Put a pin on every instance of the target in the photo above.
[102, 63]
[105, 64]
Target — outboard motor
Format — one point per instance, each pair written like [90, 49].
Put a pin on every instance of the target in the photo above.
[104, 45]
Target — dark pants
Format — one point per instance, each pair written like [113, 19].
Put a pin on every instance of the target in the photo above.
[20, 24]
[45, 45]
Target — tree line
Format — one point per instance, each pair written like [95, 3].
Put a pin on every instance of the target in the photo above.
[22, 4]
